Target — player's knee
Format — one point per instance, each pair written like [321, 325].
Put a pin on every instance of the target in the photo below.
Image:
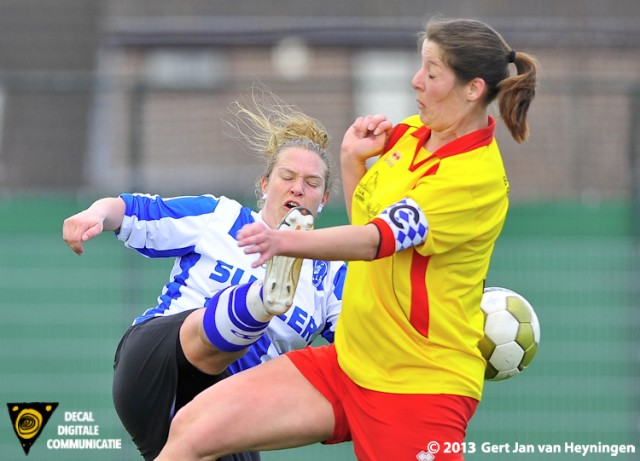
[182, 421]
[189, 435]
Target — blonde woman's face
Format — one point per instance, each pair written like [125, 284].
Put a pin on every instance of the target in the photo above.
[297, 179]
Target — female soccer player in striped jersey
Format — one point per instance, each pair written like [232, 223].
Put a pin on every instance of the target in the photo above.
[405, 374]
[176, 349]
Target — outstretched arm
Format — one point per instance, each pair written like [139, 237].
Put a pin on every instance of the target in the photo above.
[364, 139]
[103, 215]
[340, 243]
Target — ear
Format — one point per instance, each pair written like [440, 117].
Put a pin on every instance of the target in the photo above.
[325, 199]
[264, 183]
[476, 89]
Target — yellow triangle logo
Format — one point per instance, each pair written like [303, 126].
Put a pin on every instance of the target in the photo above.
[28, 420]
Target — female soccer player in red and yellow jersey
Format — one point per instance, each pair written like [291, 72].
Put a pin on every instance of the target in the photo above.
[405, 374]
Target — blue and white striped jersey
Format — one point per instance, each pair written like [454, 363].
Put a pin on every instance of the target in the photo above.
[200, 233]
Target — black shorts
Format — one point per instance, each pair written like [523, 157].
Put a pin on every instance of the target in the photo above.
[153, 380]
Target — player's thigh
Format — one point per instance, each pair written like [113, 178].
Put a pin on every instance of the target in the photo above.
[267, 407]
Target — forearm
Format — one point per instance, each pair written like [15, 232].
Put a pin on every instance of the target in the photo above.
[340, 243]
[364, 139]
[352, 170]
[111, 209]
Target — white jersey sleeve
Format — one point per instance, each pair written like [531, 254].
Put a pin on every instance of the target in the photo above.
[158, 227]
[200, 233]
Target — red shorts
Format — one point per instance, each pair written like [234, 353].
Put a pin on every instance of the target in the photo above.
[384, 426]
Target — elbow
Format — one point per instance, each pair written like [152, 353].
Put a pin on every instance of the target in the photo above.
[371, 254]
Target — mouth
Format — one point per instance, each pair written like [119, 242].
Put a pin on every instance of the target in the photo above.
[291, 204]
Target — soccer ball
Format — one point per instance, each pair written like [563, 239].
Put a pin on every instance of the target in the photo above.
[511, 333]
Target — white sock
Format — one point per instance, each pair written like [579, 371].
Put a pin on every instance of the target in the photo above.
[235, 317]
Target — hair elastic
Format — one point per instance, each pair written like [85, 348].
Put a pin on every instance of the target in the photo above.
[511, 57]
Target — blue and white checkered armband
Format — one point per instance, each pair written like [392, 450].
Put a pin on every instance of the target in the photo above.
[402, 225]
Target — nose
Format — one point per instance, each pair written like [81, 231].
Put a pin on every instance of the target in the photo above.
[417, 80]
[297, 187]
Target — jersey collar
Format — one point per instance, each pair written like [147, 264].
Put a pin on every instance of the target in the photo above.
[466, 143]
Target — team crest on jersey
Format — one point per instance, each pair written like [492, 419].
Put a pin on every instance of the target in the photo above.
[320, 269]
[392, 158]
[363, 191]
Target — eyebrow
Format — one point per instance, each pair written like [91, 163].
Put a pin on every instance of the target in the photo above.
[434, 62]
[288, 170]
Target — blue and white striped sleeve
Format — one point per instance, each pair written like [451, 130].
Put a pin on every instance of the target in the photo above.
[159, 227]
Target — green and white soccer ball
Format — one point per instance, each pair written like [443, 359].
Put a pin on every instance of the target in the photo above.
[511, 333]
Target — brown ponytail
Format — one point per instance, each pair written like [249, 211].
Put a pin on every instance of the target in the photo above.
[515, 96]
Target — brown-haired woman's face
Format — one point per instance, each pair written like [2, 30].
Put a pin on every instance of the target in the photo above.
[439, 96]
